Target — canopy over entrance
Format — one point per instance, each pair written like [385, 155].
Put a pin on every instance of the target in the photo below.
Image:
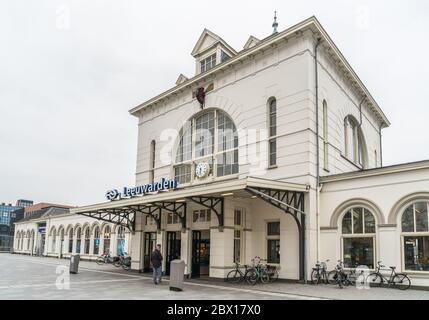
[286, 196]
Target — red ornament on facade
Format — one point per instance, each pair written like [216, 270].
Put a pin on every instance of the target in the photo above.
[201, 96]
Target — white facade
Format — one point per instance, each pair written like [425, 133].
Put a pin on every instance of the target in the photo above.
[266, 95]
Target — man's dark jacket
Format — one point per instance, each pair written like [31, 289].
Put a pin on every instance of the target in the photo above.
[156, 258]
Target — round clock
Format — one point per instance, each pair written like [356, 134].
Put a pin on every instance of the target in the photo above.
[202, 170]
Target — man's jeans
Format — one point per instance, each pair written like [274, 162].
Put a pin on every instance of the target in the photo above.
[157, 274]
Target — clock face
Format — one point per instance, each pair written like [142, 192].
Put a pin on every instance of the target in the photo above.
[202, 170]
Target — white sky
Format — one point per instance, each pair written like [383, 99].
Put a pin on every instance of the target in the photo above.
[71, 70]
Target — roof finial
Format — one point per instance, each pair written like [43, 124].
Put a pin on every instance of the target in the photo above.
[275, 24]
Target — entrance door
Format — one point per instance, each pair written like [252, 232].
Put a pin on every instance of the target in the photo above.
[200, 253]
[149, 245]
[173, 249]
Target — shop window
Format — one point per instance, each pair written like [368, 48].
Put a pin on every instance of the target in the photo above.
[415, 234]
[78, 240]
[358, 230]
[203, 215]
[121, 241]
[273, 242]
[71, 240]
[106, 239]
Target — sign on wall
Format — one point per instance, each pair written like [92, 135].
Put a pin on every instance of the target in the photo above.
[155, 187]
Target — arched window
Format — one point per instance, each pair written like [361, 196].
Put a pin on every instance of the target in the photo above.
[354, 142]
[53, 239]
[61, 233]
[272, 125]
[415, 234]
[106, 239]
[358, 233]
[210, 138]
[78, 239]
[28, 239]
[152, 161]
[71, 240]
[87, 240]
[17, 240]
[96, 240]
[121, 240]
[325, 136]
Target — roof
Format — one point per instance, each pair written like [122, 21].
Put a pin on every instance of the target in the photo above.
[45, 213]
[198, 49]
[396, 168]
[311, 23]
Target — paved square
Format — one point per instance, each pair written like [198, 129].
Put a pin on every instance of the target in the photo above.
[25, 277]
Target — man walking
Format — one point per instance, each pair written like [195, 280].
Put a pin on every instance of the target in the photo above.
[156, 259]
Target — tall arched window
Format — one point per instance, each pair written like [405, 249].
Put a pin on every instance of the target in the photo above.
[152, 161]
[87, 236]
[61, 234]
[106, 239]
[78, 239]
[354, 142]
[358, 233]
[121, 240]
[272, 125]
[415, 236]
[96, 240]
[325, 136]
[53, 235]
[211, 139]
[71, 240]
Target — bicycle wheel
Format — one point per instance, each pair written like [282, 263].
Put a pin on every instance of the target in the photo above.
[274, 276]
[100, 261]
[233, 276]
[126, 266]
[315, 276]
[332, 277]
[117, 263]
[401, 281]
[252, 277]
[374, 279]
[264, 276]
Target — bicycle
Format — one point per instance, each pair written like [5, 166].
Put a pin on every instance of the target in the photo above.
[338, 276]
[124, 261]
[273, 273]
[105, 258]
[319, 273]
[354, 277]
[237, 275]
[257, 272]
[398, 280]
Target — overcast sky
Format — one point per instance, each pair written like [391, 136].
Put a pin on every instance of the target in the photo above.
[71, 70]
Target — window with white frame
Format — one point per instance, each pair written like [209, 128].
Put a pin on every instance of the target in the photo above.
[354, 144]
[238, 234]
[208, 63]
[415, 236]
[358, 235]
[272, 126]
[172, 218]
[203, 215]
[210, 138]
[273, 242]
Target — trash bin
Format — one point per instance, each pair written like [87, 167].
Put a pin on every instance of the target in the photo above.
[74, 263]
[177, 272]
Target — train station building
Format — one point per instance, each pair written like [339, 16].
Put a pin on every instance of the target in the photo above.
[274, 150]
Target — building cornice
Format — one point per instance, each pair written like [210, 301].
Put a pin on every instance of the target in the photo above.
[399, 168]
[267, 43]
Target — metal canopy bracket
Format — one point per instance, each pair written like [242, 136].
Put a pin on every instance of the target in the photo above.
[123, 217]
[149, 210]
[291, 202]
[178, 208]
[214, 204]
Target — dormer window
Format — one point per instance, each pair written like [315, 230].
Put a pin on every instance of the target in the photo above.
[208, 63]
[223, 56]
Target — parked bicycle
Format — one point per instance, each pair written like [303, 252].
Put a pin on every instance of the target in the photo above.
[320, 273]
[124, 261]
[258, 272]
[338, 276]
[397, 280]
[237, 275]
[273, 272]
[105, 258]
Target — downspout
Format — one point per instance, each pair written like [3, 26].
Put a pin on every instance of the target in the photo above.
[316, 74]
[360, 111]
[381, 146]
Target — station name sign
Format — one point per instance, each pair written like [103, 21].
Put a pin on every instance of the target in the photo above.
[151, 188]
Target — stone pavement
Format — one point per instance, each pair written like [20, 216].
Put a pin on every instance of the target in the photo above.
[24, 277]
